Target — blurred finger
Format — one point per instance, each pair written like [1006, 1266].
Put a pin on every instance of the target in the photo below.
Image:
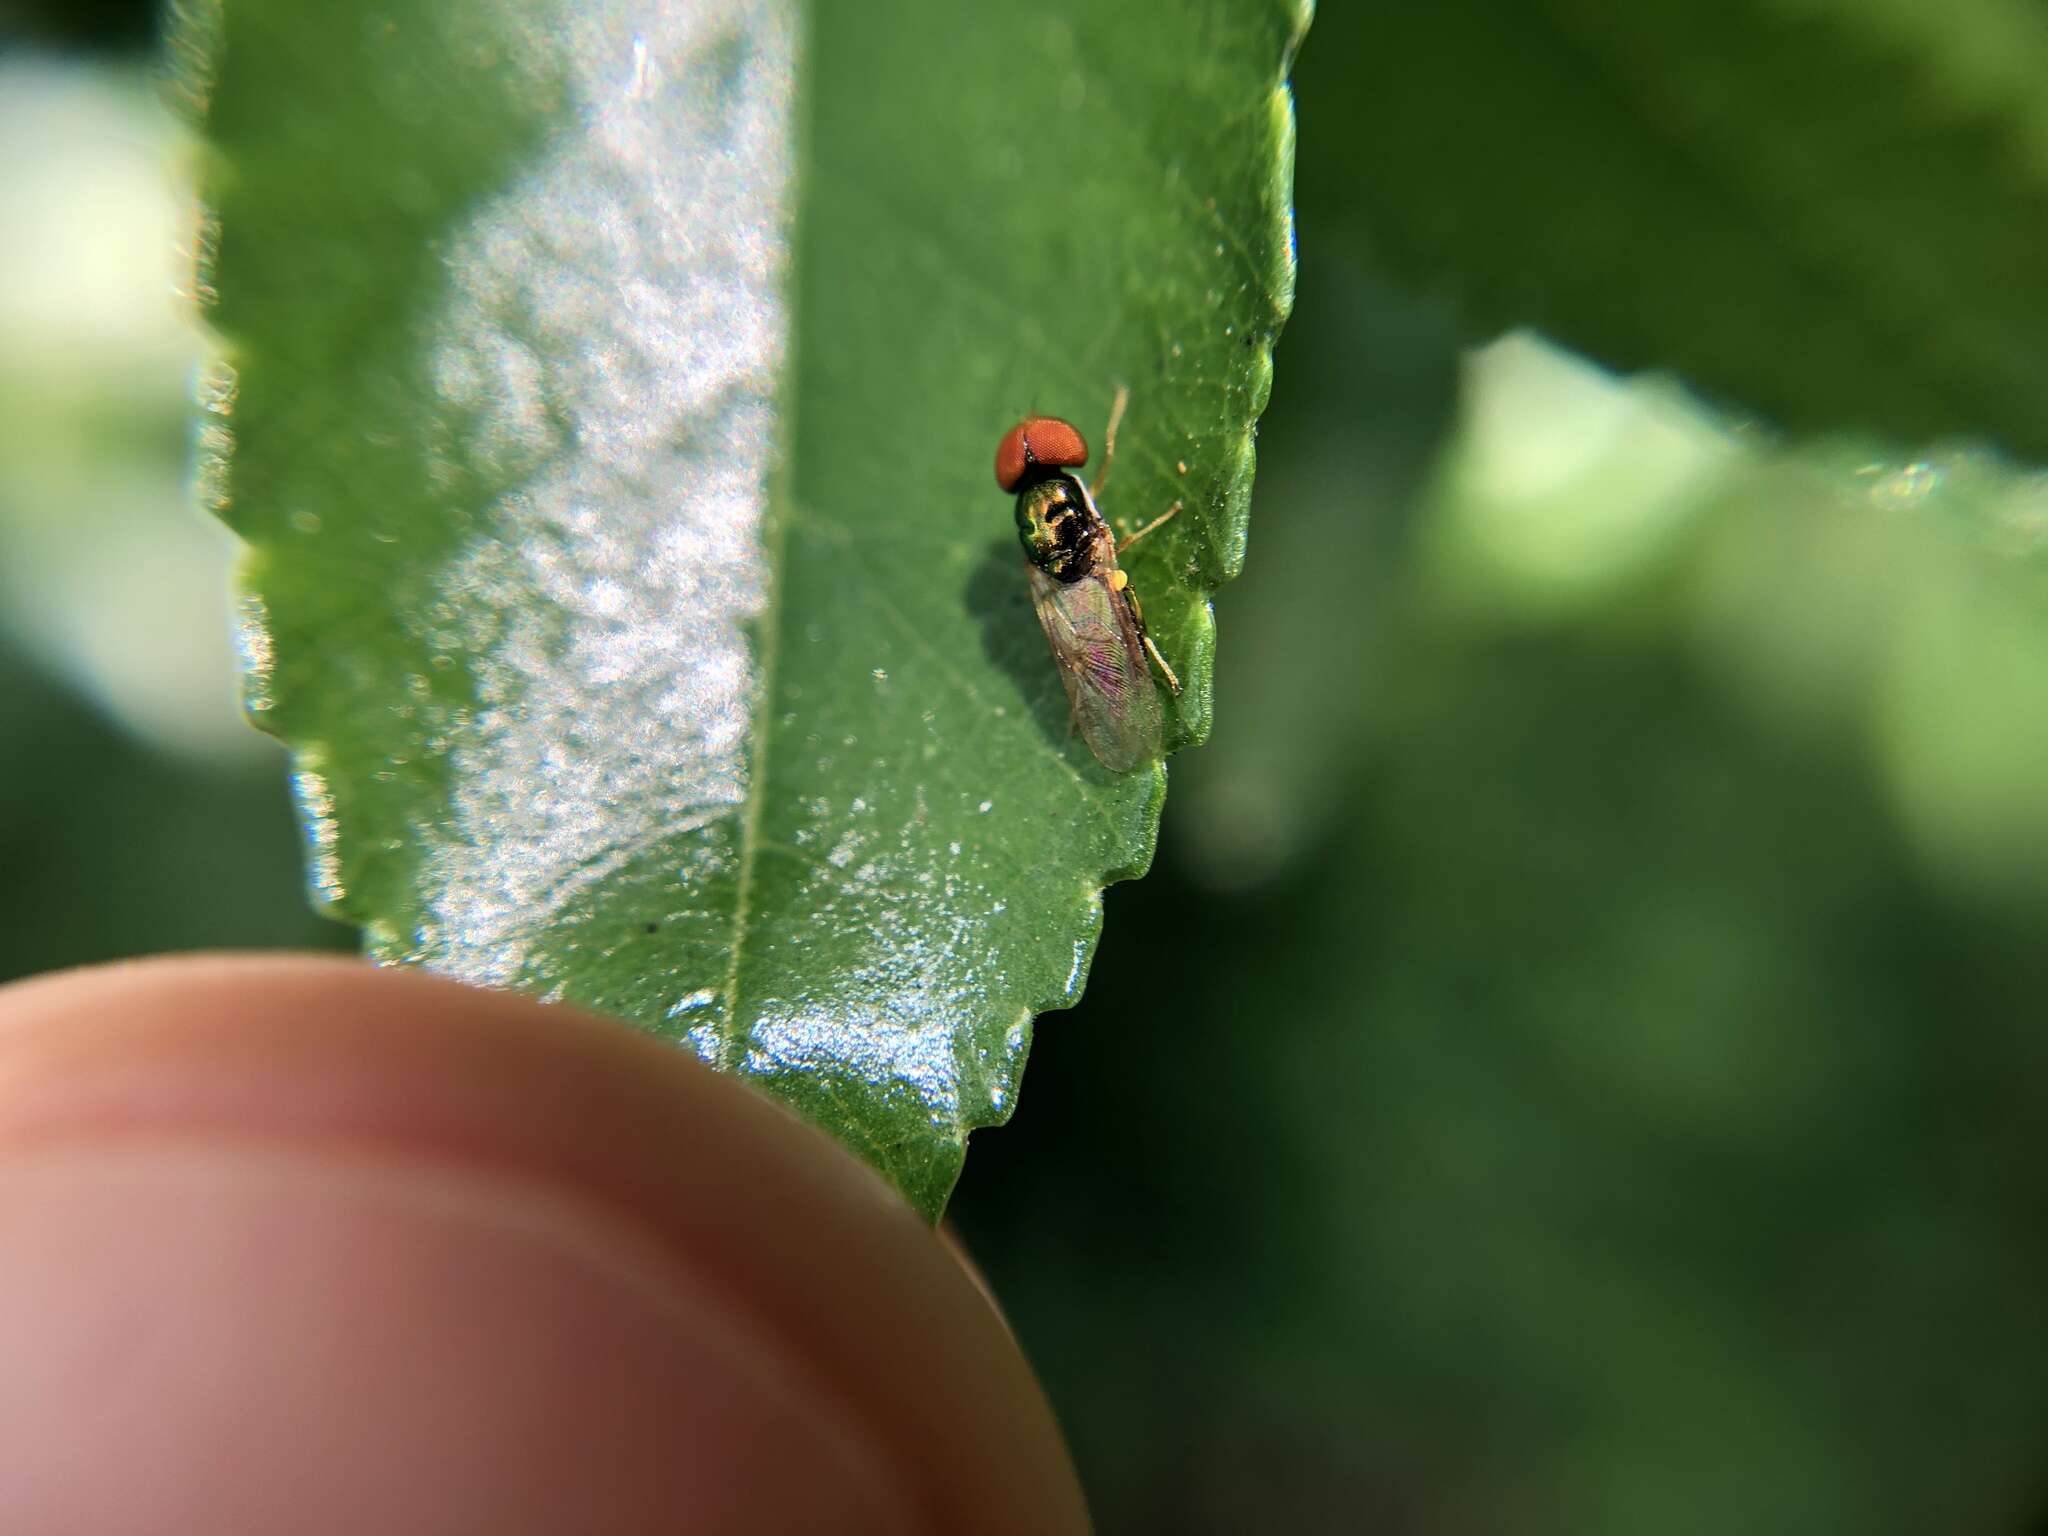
[298, 1244]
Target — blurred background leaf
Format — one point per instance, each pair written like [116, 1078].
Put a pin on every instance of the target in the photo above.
[1575, 1065]
[114, 849]
[1828, 210]
[108, 27]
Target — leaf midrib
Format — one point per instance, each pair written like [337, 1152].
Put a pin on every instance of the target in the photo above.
[733, 1038]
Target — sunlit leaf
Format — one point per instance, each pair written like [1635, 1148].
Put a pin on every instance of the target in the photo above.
[611, 393]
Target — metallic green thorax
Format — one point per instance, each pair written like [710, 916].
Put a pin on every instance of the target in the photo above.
[1057, 525]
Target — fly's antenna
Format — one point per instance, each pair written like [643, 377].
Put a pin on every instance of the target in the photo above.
[1116, 416]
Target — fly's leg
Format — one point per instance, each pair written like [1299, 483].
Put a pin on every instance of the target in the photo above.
[1131, 538]
[1159, 661]
[1144, 634]
[1116, 415]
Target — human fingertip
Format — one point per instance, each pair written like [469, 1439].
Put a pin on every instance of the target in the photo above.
[322, 1247]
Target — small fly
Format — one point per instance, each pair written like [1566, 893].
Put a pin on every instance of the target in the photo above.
[1084, 600]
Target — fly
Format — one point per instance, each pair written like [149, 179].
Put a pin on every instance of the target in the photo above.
[1083, 598]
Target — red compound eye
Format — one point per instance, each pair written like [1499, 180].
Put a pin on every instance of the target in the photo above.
[1037, 440]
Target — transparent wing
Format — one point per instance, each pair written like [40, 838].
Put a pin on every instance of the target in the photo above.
[1102, 661]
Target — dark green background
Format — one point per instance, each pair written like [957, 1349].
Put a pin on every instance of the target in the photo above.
[1603, 1118]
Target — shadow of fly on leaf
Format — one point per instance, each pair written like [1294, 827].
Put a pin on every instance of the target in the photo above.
[998, 598]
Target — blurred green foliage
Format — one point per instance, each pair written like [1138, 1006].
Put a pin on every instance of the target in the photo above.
[112, 25]
[1830, 210]
[112, 849]
[1574, 1067]
[1617, 1111]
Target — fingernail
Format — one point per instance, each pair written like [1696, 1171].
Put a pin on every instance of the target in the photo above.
[208, 1335]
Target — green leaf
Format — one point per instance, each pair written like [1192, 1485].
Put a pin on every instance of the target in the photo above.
[1826, 209]
[611, 395]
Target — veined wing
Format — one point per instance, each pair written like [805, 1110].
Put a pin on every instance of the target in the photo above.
[1102, 661]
